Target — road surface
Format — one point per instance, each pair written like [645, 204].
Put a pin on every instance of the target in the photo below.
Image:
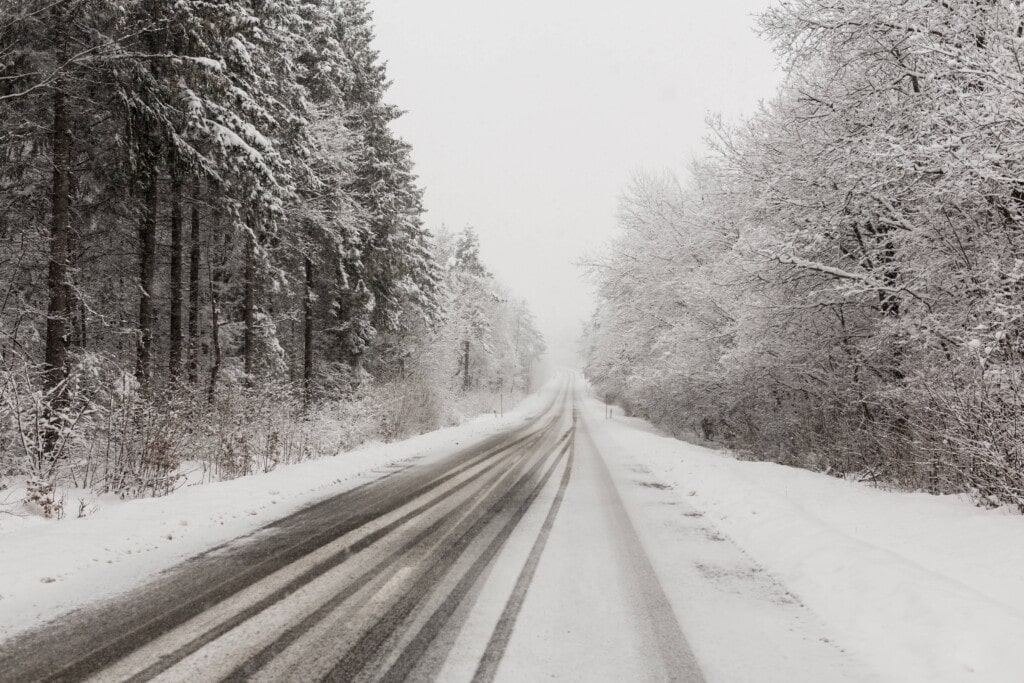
[421, 575]
[513, 559]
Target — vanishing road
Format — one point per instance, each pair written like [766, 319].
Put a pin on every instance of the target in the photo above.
[513, 559]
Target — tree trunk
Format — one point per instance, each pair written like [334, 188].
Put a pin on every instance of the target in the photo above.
[75, 329]
[57, 310]
[215, 277]
[215, 338]
[193, 291]
[83, 324]
[307, 341]
[174, 360]
[249, 306]
[57, 313]
[147, 273]
[465, 366]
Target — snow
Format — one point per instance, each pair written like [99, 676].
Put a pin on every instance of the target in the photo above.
[628, 573]
[827, 579]
[207, 62]
[593, 611]
[925, 588]
[48, 567]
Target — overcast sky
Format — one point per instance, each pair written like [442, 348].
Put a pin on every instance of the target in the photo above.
[528, 118]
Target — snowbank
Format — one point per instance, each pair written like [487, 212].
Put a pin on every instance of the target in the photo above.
[926, 588]
[48, 567]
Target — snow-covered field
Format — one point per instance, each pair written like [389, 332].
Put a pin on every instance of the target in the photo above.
[922, 588]
[48, 567]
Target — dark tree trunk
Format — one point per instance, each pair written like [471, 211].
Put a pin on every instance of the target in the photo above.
[57, 310]
[215, 339]
[147, 275]
[57, 313]
[174, 359]
[83, 325]
[193, 291]
[465, 366]
[886, 267]
[249, 306]
[307, 340]
[76, 307]
[215, 277]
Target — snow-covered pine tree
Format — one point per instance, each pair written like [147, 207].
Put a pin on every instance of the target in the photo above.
[394, 256]
[241, 151]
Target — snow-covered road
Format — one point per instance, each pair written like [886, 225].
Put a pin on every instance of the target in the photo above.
[545, 551]
[404, 578]
[357, 584]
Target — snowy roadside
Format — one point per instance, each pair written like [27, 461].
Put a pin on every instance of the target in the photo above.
[48, 567]
[926, 588]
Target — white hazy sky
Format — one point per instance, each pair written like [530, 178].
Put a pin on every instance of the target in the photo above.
[528, 118]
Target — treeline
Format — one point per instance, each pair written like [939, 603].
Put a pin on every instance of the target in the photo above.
[207, 226]
[841, 284]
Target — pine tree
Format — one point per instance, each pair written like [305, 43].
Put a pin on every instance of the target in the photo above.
[394, 255]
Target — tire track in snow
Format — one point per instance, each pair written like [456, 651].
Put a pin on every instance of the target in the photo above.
[200, 638]
[488, 667]
[517, 500]
[294, 633]
[411, 655]
[680, 664]
[262, 559]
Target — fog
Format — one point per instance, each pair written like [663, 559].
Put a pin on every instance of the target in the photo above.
[527, 119]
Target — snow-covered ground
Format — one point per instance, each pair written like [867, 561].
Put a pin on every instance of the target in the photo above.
[48, 566]
[916, 587]
[922, 588]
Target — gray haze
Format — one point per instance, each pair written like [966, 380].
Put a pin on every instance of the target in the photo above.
[528, 118]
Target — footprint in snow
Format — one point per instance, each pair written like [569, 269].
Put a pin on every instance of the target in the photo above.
[655, 485]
